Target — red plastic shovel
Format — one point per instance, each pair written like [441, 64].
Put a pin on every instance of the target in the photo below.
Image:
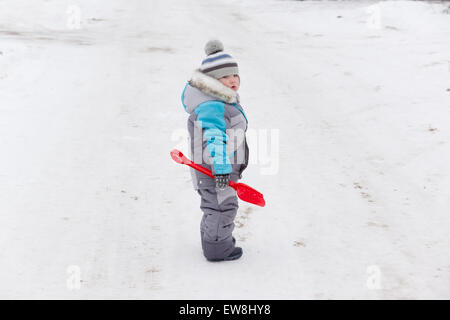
[244, 192]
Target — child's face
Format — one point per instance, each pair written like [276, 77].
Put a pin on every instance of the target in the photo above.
[231, 81]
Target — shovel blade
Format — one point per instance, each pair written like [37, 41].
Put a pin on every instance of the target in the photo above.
[248, 194]
[243, 191]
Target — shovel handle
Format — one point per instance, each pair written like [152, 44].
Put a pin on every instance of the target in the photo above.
[244, 192]
[179, 157]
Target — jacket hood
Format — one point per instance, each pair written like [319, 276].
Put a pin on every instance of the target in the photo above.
[202, 88]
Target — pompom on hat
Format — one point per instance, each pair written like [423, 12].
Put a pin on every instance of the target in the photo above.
[217, 63]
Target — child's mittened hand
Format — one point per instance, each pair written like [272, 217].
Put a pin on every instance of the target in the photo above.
[222, 180]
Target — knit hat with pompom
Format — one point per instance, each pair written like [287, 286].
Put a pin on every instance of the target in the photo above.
[217, 63]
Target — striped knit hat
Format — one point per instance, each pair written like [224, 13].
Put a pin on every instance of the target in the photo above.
[218, 64]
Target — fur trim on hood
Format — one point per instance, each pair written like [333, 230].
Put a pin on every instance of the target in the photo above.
[213, 87]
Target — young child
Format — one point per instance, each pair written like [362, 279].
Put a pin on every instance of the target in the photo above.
[217, 126]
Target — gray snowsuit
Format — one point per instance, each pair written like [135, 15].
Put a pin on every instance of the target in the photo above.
[217, 126]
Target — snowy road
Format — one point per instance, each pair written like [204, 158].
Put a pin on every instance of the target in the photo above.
[91, 205]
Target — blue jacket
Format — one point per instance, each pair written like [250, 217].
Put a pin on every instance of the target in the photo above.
[217, 125]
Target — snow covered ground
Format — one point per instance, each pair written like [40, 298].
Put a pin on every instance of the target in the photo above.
[357, 185]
